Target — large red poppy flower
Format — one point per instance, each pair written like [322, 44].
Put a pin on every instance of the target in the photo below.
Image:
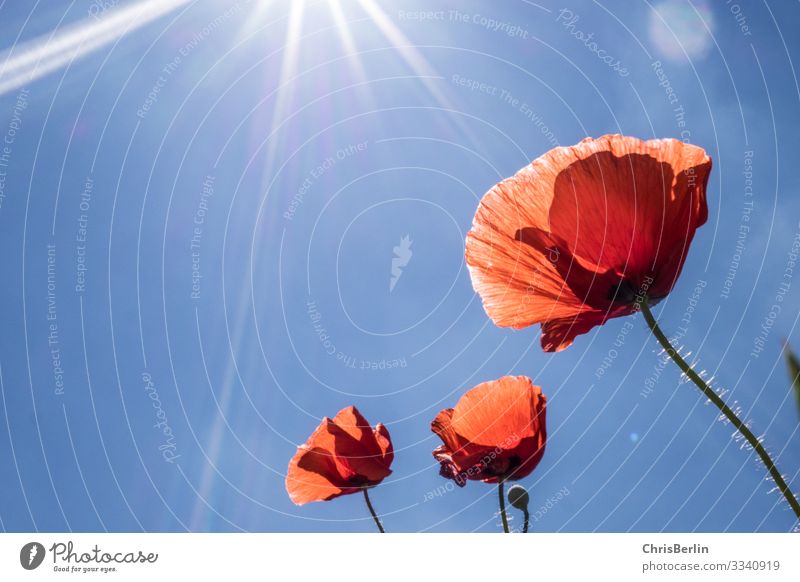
[496, 431]
[571, 239]
[342, 456]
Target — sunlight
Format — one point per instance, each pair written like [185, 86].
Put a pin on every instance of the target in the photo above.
[407, 51]
[288, 71]
[31, 60]
[347, 39]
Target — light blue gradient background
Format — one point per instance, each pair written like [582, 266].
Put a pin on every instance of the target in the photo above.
[242, 374]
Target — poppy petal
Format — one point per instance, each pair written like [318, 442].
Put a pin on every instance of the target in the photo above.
[354, 459]
[530, 453]
[499, 413]
[558, 334]
[339, 458]
[351, 421]
[518, 285]
[623, 211]
[496, 430]
[589, 285]
[309, 476]
[442, 425]
[384, 443]
[365, 455]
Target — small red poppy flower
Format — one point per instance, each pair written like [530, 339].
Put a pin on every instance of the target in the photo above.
[342, 456]
[572, 239]
[496, 431]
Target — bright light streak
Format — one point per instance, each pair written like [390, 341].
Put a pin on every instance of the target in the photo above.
[288, 71]
[410, 54]
[346, 37]
[418, 64]
[33, 59]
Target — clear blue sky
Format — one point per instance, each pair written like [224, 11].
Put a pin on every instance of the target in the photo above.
[223, 188]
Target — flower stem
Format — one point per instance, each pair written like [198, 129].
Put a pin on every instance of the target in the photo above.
[372, 511]
[502, 498]
[719, 403]
[527, 517]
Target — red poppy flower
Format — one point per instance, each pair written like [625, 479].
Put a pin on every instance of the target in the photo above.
[571, 239]
[496, 431]
[342, 456]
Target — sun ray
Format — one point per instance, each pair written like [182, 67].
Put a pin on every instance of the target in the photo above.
[410, 54]
[421, 67]
[240, 304]
[32, 60]
[288, 71]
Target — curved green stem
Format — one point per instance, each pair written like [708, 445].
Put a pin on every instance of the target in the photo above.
[372, 511]
[719, 403]
[502, 498]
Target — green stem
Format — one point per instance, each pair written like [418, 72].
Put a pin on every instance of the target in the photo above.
[372, 510]
[719, 403]
[502, 498]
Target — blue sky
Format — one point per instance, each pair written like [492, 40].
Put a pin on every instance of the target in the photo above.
[223, 188]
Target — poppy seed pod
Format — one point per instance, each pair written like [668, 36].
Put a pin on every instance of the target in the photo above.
[518, 497]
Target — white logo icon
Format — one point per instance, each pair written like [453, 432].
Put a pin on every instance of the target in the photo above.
[402, 255]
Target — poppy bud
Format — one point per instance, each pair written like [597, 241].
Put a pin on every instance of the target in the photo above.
[518, 497]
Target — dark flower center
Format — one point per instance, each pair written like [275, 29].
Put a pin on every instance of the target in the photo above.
[626, 293]
[502, 467]
[357, 481]
[622, 292]
[490, 466]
